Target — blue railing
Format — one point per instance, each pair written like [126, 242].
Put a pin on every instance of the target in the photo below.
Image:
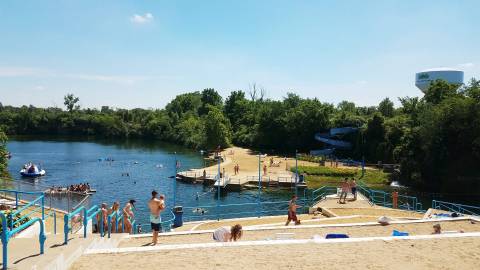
[10, 227]
[320, 194]
[88, 215]
[382, 198]
[456, 208]
[67, 219]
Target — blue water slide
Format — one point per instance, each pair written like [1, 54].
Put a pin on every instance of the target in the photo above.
[332, 139]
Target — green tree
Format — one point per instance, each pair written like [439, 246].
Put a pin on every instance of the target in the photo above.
[210, 98]
[440, 90]
[70, 102]
[3, 154]
[386, 107]
[217, 129]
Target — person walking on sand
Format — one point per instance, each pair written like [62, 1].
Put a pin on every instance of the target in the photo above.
[345, 187]
[264, 169]
[292, 211]
[156, 206]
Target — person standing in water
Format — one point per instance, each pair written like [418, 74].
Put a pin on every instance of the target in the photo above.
[156, 207]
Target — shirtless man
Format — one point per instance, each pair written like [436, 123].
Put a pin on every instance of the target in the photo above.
[156, 207]
[292, 211]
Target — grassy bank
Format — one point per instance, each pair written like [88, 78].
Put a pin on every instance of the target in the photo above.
[317, 176]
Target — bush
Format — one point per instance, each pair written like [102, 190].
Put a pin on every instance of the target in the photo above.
[8, 214]
[326, 171]
[310, 158]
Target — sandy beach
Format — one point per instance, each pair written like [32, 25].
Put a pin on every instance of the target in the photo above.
[308, 233]
[248, 163]
[459, 253]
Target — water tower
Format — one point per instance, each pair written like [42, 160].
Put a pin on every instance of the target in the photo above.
[424, 78]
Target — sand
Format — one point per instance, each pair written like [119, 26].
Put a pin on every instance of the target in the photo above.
[453, 253]
[375, 212]
[248, 162]
[308, 233]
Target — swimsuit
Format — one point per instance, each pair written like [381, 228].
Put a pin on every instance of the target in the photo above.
[155, 222]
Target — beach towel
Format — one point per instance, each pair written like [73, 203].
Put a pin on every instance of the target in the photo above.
[399, 233]
[336, 236]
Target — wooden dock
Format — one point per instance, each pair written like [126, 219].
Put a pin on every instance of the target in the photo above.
[235, 183]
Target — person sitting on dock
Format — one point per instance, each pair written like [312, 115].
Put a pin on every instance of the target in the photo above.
[226, 234]
[292, 211]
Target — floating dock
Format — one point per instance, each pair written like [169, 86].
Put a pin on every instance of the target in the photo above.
[233, 183]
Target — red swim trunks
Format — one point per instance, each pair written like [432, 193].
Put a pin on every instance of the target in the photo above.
[292, 216]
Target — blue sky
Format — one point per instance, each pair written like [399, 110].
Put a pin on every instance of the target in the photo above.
[142, 53]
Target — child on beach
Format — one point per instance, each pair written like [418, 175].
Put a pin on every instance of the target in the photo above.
[226, 234]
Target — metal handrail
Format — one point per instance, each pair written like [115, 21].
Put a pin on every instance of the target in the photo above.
[66, 219]
[9, 231]
[456, 207]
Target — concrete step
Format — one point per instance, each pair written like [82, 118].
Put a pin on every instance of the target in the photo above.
[24, 253]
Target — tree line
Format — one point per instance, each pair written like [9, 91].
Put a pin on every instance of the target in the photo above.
[435, 139]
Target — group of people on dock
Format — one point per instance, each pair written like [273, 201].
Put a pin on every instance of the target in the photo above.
[346, 188]
[83, 187]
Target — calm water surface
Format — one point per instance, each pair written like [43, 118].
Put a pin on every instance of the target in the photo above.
[148, 164]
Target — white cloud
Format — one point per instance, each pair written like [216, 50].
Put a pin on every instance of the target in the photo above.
[44, 73]
[107, 78]
[23, 71]
[466, 65]
[139, 19]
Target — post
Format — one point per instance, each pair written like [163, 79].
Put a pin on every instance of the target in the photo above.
[109, 220]
[65, 228]
[16, 200]
[259, 185]
[296, 173]
[85, 222]
[116, 221]
[4, 240]
[42, 237]
[175, 182]
[218, 189]
[43, 207]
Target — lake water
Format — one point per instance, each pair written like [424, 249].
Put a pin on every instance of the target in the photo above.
[149, 165]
